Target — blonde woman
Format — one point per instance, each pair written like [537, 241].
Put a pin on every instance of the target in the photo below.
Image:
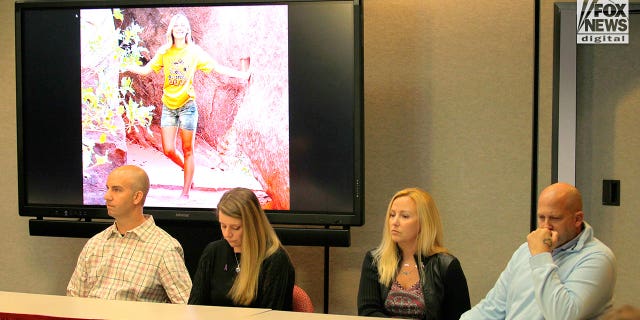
[249, 267]
[180, 58]
[410, 274]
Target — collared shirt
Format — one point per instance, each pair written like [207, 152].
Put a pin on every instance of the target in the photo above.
[577, 282]
[144, 264]
[569, 245]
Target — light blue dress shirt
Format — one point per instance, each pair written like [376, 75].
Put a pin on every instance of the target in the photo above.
[576, 281]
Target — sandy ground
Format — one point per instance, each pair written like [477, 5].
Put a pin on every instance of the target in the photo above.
[166, 179]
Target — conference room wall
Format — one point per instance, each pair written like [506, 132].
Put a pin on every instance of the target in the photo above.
[448, 107]
[608, 147]
[448, 95]
[607, 140]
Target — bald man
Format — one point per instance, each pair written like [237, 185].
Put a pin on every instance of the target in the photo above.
[133, 259]
[561, 272]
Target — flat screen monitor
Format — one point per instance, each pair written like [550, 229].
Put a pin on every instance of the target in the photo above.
[204, 95]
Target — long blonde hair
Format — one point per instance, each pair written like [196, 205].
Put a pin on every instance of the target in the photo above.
[429, 240]
[169, 35]
[259, 241]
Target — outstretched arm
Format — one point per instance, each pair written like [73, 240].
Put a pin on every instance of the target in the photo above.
[147, 68]
[207, 63]
[141, 70]
[244, 75]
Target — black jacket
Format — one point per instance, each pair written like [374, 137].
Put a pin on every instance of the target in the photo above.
[443, 284]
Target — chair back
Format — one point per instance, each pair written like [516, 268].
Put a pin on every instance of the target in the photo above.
[301, 300]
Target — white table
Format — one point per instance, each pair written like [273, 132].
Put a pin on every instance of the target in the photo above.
[286, 315]
[89, 308]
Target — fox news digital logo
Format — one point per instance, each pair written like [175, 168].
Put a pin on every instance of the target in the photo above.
[604, 21]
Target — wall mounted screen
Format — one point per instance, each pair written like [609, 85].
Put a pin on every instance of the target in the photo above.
[262, 95]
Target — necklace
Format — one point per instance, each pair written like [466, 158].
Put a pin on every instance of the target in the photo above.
[405, 272]
[237, 263]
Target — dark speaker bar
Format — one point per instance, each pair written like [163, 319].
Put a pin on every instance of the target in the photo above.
[288, 236]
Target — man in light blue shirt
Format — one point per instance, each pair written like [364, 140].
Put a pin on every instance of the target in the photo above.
[562, 271]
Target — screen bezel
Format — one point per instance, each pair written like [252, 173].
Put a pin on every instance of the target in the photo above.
[89, 212]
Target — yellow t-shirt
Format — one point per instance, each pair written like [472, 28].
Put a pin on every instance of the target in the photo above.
[180, 65]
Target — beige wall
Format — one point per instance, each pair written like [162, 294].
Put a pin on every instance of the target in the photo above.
[608, 146]
[607, 141]
[448, 107]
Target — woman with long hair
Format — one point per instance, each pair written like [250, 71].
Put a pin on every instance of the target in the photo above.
[411, 274]
[249, 267]
[180, 58]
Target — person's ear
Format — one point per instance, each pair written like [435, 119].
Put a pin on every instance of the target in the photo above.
[579, 218]
[137, 197]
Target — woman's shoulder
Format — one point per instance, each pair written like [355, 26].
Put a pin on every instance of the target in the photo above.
[194, 48]
[163, 49]
[442, 258]
[217, 246]
[370, 253]
[280, 255]
[442, 265]
[278, 261]
[369, 260]
[214, 254]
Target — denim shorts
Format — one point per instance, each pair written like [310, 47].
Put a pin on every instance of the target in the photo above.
[185, 117]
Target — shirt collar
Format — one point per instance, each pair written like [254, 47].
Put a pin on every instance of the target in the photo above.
[571, 244]
[140, 232]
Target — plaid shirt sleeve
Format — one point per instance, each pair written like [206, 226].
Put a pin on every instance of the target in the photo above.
[174, 276]
[76, 287]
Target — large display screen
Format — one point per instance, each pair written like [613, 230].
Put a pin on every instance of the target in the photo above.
[203, 96]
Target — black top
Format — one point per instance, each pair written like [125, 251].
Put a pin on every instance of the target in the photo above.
[217, 271]
[446, 295]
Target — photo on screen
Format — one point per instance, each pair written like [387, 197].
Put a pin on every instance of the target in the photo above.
[217, 107]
